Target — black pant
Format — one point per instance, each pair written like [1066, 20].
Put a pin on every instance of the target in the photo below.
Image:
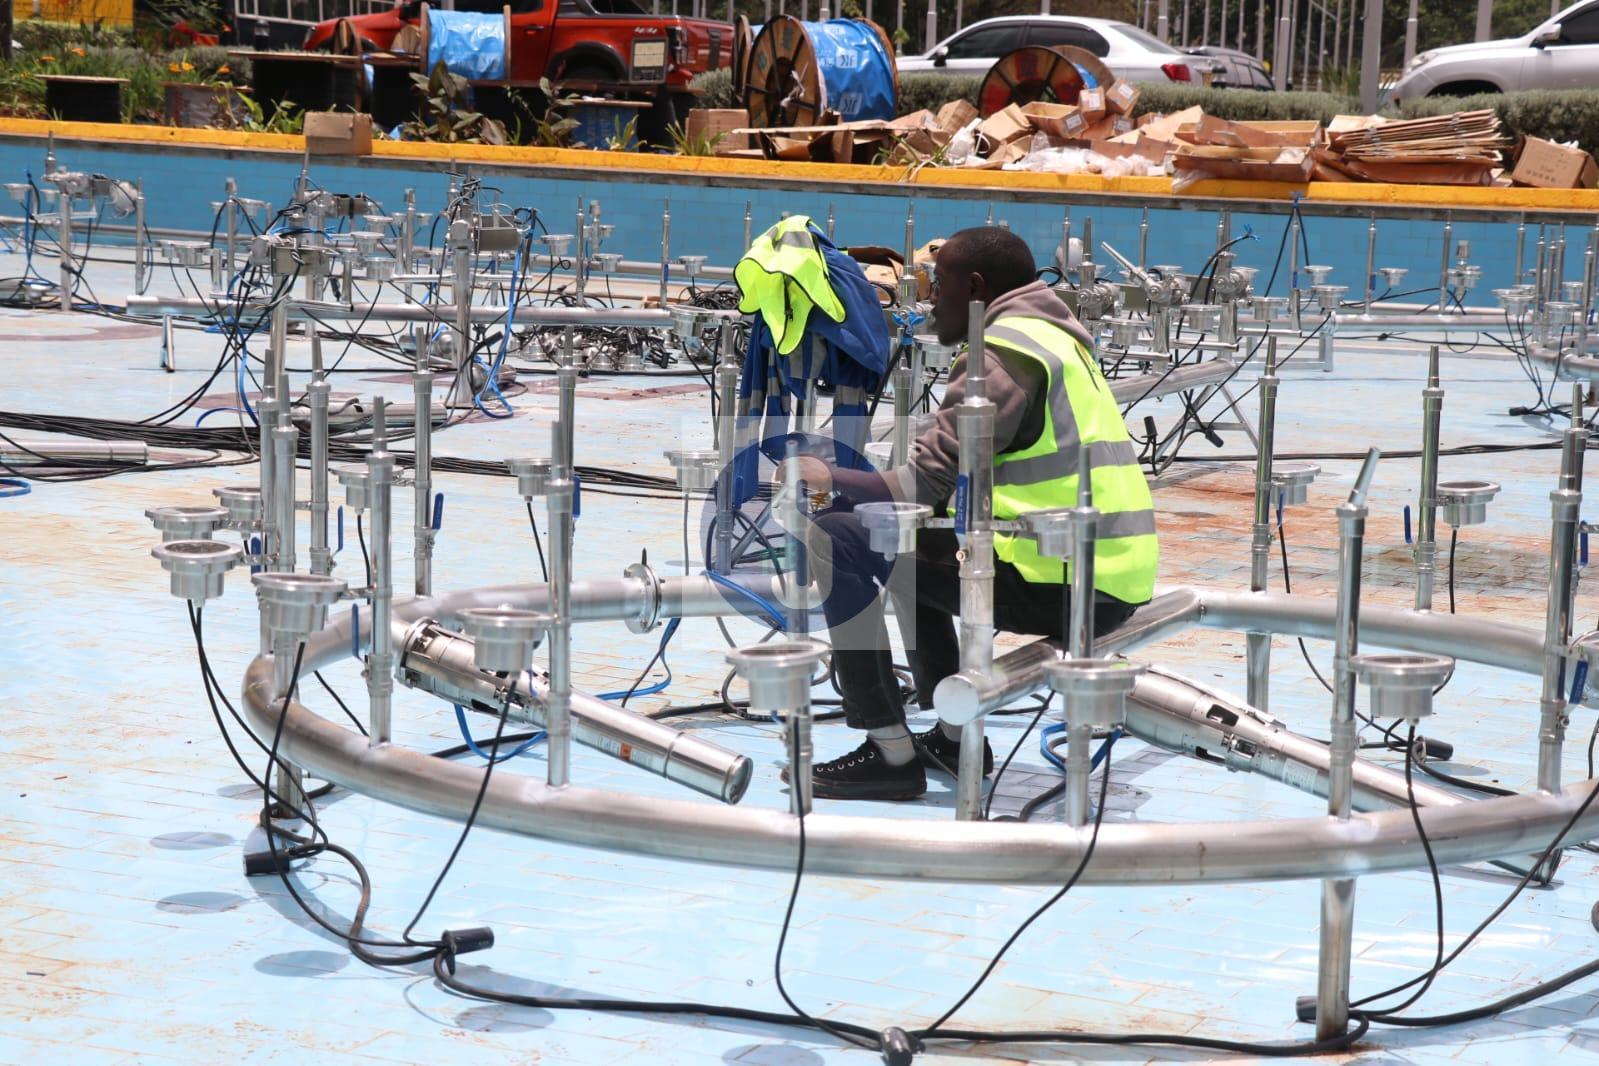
[926, 588]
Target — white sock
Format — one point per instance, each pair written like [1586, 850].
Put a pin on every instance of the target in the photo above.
[894, 741]
[952, 733]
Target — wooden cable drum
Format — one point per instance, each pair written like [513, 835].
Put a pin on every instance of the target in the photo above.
[801, 71]
[743, 42]
[1036, 73]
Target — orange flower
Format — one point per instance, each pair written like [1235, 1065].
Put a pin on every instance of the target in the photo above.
[224, 69]
[187, 66]
[47, 59]
[172, 67]
[77, 51]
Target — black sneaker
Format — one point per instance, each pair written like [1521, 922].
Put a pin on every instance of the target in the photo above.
[941, 753]
[865, 774]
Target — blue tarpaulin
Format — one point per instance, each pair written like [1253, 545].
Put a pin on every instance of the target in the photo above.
[469, 43]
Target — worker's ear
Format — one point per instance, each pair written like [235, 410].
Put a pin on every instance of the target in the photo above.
[977, 287]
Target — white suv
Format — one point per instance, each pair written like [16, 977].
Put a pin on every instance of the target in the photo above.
[1562, 53]
[1127, 50]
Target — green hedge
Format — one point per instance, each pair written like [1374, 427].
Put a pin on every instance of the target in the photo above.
[1565, 115]
[1243, 105]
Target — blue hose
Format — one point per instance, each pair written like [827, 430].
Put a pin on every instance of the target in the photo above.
[774, 613]
[466, 736]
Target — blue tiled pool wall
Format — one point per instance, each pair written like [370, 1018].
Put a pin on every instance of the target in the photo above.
[708, 213]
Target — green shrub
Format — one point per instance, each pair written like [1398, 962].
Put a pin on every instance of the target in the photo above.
[715, 89]
[1243, 105]
[38, 37]
[1555, 115]
[932, 91]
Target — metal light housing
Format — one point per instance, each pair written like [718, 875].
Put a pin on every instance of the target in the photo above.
[197, 566]
[187, 523]
[891, 525]
[1095, 690]
[1402, 684]
[778, 674]
[297, 604]
[504, 638]
[1465, 503]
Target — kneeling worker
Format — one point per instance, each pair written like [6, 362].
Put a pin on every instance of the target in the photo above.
[1051, 401]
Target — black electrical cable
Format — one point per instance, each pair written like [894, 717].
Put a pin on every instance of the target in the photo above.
[1454, 535]
[533, 523]
[993, 788]
[366, 559]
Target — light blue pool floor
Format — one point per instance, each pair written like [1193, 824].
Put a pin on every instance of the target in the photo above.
[129, 933]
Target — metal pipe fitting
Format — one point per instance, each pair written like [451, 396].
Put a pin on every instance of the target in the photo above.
[1402, 686]
[187, 523]
[1095, 695]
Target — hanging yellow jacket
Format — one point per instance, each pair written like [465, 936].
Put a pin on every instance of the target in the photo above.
[784, 276]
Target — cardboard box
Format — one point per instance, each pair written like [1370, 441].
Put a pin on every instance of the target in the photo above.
[1121, 97]
[955, 115]
[338, 133]
[1548, 165]
[1092, 102]
[1004, 126]
[718, 124]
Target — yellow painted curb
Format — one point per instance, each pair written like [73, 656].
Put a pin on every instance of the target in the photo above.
[642, 166]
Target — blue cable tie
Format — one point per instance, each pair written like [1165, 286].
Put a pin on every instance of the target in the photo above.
[1579, 680]
[1407, 525]
[577, 497]
[341, 531]
[355, 631]
[1582, 539]
[255, 549]
[438, 511]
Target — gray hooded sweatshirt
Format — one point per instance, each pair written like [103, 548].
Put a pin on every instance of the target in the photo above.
[1015, 385]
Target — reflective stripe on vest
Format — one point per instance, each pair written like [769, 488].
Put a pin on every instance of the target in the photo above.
[784, 276]
[1079, 414]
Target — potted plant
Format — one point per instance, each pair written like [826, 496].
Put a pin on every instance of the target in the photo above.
[196, 97]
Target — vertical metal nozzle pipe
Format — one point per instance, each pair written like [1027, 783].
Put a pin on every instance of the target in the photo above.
[1426, 554]
[380, 660]
[1443, 265]
[285, 446]
[1257, 646]
[316, 394]
[1338, 894]
[975, 433]
[726, 447]
[266, 412]
[1080, 735]
[1371, 262]
[558, 723]
[666, 245]
[1566, 512]
[422, 529]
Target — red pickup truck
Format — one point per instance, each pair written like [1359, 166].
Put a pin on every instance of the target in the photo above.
[612, 45]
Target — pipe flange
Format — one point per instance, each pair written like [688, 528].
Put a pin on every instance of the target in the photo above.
[650, 617]
[891, 525]
[357, 482]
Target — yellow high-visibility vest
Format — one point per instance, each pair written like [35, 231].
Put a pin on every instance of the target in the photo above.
[1080, 412]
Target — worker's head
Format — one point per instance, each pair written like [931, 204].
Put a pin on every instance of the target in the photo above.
[984, 264]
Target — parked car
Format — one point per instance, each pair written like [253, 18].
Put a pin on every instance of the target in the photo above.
[1232, 69]
[1562, 53]
[1127, 50]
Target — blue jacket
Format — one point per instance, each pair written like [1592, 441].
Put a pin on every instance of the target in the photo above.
[850, 356]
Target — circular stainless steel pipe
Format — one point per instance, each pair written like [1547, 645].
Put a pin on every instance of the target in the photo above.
[988, 852]
[303, 310]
